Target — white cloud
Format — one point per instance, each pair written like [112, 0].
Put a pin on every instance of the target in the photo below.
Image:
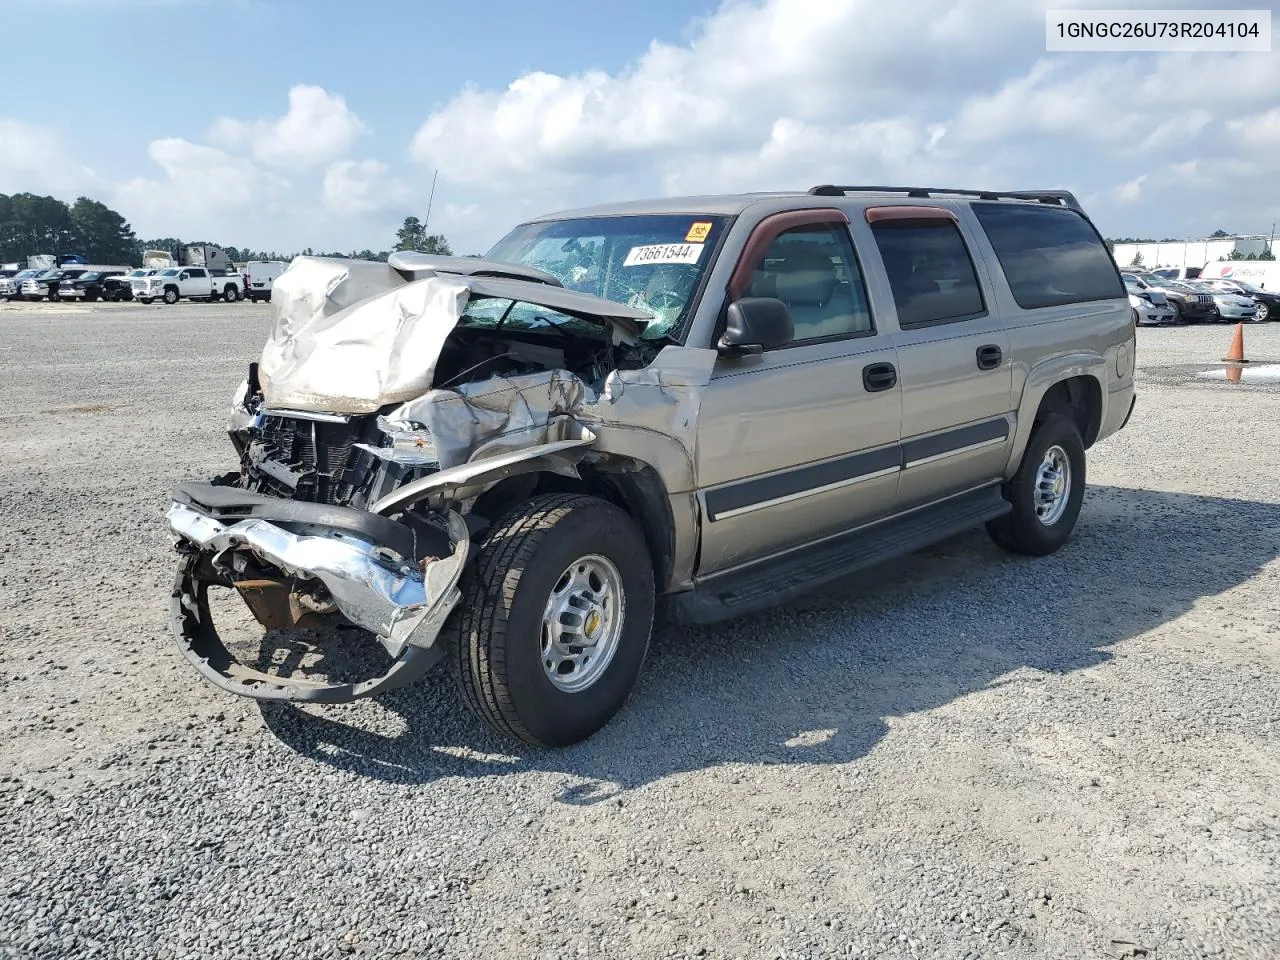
[362, 186]
[318, 127]
[783, 94]
[1260, 130]
[1131, 191]
[204, 192]
[33, 160]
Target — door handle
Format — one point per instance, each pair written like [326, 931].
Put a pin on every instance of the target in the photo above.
[989, 357]
[879, 376]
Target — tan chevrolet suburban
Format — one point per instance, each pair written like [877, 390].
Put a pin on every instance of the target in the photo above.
[709, 403]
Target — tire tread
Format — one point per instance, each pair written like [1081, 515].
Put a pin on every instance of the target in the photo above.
[477, 641]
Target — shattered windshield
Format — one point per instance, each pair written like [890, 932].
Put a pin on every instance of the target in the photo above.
[653, 263]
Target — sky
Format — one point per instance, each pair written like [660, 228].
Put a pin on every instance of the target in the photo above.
[284, 124]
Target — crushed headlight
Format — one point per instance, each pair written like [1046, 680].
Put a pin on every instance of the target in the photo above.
[410, 445]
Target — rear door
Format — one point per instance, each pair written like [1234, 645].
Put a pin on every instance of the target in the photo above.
[953, 351]
[802, 441]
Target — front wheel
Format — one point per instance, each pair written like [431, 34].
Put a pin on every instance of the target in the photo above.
[1046, 492]
[555, 619]
[1264, 312]
[171, 296]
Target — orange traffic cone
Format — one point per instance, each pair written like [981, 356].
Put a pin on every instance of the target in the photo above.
[1236, 353]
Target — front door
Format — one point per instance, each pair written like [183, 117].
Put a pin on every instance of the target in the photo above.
[800, 442]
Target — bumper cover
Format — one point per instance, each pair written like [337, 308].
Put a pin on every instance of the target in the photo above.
[375, 586]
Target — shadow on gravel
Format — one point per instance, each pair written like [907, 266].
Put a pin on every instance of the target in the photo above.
[814, 682]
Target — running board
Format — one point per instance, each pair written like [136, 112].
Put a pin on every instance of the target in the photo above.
[779, 580]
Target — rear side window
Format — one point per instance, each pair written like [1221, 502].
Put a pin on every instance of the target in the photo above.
[1050, 257]
[930, 272]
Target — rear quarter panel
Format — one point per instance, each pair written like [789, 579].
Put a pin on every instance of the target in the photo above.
[1051, 344]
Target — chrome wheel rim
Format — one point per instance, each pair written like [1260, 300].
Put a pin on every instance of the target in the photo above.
[1053, 486]
[582, 623]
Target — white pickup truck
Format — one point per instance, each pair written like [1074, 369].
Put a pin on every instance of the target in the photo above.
[188, 283]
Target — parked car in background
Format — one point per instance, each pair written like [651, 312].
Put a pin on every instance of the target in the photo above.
[1268, 302]
[119, 286]
[1189, 305]
[46, 282]
[260, 276]
[87, 286]
[1177, 273]
[1230, 307]
[188, 283]
[11, 287]
[1148, 304]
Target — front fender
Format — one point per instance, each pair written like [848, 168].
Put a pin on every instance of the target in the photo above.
[1039, 381]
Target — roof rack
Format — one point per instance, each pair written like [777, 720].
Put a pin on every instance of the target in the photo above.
[1055, 197]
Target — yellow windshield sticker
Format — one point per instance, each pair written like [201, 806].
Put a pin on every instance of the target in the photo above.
[698, 232]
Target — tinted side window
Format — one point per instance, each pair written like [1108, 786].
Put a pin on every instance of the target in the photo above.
[814, 272]
[1050, 257]
[930, 271]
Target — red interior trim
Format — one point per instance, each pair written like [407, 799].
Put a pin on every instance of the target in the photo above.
[766, 231]
[908, 212]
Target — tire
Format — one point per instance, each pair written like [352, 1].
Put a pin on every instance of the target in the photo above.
[1023, 530]
[170, 296]
[1136, 322]
[231, 294]
[90, 296]
[1263, 314]
[495, 639]
[147, 300]
[53, 298]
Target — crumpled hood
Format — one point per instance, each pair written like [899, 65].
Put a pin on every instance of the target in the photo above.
[351, 336]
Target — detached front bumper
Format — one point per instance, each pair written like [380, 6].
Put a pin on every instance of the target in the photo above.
[368, 564]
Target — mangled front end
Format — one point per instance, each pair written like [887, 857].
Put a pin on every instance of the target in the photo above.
[349, 504]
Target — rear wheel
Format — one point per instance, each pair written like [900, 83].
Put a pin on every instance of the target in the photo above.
[555, 619]
[231, 294]
[1046, 492]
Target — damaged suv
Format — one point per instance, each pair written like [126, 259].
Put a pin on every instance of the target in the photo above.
[707, 404]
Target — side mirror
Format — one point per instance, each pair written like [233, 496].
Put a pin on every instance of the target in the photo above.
[754, 325]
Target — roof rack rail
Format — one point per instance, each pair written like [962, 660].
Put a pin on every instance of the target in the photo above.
[1055, 197]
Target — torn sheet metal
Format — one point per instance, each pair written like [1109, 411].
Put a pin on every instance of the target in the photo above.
[649, 414]
[490, 417]
[654, 412]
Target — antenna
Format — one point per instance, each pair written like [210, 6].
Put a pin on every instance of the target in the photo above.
[431, 198]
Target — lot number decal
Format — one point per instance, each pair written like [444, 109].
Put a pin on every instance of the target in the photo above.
[663, 253]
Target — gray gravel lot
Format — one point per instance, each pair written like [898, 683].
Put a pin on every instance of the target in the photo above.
[966, 755]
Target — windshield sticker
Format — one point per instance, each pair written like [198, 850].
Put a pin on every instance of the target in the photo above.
[663, 253]
[698, 232]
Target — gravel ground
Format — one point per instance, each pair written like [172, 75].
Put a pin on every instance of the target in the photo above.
[966, 755]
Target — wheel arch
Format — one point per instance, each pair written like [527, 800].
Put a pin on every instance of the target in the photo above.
[635, 487]
[1073, 385]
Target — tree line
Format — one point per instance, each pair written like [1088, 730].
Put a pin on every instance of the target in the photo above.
[32, 225]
